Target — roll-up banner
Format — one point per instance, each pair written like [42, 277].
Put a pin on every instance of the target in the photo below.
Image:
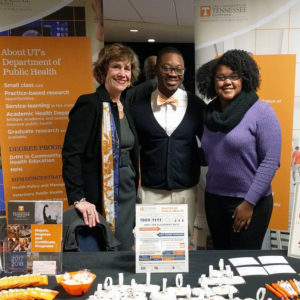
[41, 78]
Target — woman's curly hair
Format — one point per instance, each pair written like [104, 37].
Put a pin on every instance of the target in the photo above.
[239, 61]
[115, 52]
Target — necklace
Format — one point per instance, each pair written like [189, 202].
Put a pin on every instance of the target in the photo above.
[119, 104]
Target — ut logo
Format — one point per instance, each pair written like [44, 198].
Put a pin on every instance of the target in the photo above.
[205, 11]
[20, 208]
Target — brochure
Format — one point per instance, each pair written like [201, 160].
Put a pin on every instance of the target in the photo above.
[34, 232]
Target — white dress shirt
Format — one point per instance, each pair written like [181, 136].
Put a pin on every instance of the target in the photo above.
[169, 116]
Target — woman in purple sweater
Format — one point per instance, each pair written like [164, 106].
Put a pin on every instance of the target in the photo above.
[242, 144]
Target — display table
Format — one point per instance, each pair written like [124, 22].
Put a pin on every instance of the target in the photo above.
[105, 264]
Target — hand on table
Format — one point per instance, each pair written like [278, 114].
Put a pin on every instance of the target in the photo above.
[242, 216]
[89, 213]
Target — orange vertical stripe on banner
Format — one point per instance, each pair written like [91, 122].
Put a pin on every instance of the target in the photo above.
[277, 88]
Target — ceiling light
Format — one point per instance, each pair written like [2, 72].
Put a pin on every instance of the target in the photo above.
[133, 30]
[151, 40]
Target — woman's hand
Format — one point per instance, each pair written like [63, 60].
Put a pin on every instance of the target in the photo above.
[89, 213]
[242, 216]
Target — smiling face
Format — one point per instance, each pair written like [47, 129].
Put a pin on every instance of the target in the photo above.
[228, 84]
[168, 83]
[118, 77]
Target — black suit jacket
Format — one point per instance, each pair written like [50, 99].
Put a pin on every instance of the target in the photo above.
[81, 154]
[167, 162]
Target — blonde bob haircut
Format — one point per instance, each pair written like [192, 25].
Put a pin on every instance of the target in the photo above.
[115, 52]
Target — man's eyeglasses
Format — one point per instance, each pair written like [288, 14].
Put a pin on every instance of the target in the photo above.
[232, 77]
[168, 70]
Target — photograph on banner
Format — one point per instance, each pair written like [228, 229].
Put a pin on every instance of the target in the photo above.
[40, 86]
[15, 14]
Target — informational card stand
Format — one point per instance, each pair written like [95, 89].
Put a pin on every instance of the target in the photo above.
[162, 238]
[294, 242]
[34, 232]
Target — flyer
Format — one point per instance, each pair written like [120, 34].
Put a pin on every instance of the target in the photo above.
[34, 232]
[161, 238]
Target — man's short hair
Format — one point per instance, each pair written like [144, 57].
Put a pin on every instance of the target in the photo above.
[166, 50]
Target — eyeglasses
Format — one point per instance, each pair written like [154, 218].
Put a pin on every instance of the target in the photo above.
[232, 77]
[168, 70]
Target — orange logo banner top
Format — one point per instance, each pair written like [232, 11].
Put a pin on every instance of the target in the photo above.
[205, 11]
[41, 78]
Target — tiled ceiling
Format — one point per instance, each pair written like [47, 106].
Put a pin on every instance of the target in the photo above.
[162, 20]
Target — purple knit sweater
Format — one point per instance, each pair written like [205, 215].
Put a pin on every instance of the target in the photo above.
[242, 162]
